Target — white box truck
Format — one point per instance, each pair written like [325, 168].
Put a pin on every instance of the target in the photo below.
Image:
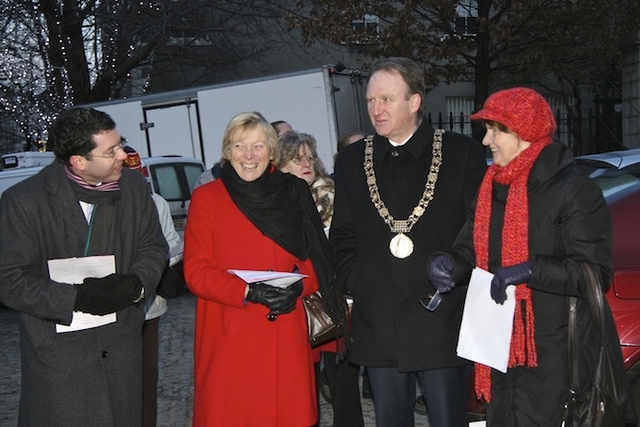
[323, 102]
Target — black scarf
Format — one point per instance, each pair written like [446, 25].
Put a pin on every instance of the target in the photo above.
[102, 223]
[281, 207]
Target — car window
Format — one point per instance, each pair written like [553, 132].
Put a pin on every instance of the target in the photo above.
[192, 173]
[167, 183]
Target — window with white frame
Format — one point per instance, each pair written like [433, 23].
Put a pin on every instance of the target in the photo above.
[363, 27]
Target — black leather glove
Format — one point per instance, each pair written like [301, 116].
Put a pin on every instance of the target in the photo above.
[506, 276]
[107, 294]
[267, 295]
[439, 271]
[287, 304]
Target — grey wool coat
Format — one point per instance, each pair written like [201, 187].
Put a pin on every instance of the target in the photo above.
[89, 377]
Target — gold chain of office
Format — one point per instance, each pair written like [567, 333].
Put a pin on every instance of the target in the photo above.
[401, 245]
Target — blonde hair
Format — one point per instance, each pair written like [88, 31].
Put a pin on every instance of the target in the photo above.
[242, 125]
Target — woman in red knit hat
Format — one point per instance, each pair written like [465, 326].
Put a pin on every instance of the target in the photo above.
[535, 223]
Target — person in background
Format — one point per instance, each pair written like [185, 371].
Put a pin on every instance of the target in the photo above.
[253, 361]
[347, 139]
[400, 196]
[343, 141]
[208, 175]
[155, 305]
[281, 127]
[84, 204]
[298, 156]
[536, 221]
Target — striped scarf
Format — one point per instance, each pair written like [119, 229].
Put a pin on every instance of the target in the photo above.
[105, 186]
[515, 249]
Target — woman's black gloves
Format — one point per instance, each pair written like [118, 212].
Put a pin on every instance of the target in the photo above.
[108, 294]
[506, 276]
[278, 300]
[288, 303]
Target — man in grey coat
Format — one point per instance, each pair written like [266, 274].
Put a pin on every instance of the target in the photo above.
[84, 204]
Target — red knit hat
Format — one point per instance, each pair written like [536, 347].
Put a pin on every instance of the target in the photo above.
[524, 111]
[133, 159]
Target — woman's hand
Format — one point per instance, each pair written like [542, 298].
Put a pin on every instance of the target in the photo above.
[267, 295]
[288, 303]
[507, 276]
[277, 300]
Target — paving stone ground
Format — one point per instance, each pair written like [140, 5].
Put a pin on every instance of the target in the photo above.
[175, 385]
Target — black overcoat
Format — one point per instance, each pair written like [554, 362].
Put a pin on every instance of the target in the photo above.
[569, 224]
[90, 377]
[390, 328]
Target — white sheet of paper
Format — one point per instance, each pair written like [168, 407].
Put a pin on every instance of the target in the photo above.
[279, 279]
[74, 271]
[485, 332]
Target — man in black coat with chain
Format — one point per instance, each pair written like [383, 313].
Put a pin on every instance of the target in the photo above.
[401, 195]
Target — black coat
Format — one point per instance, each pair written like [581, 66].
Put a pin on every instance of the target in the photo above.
[89, 377]
[389, 325]
[569, 224]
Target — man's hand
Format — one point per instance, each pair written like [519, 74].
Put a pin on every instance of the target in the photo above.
[107, 294]
[439, 271]
[507, 276]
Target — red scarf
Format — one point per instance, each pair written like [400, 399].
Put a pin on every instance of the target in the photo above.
[515, 249]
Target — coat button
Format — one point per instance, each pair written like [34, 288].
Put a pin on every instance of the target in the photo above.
[105, 354]
[395, 153]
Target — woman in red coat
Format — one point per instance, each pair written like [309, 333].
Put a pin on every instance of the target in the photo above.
[251, 370]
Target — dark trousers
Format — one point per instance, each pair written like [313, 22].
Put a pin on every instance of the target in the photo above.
[445, 390]
[345, 391]
[150, 372]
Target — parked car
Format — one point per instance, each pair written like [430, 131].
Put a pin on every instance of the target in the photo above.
[622, 192]
[16, 167]
[26, 159]
[599, 163]
[174, 178]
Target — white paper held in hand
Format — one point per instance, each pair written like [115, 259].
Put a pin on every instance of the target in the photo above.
[278, 279]
[74, 271]
[485, 332]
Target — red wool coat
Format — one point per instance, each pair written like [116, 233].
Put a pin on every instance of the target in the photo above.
[248, 371]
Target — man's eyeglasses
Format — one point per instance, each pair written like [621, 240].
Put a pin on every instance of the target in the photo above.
[299, 160]
[112, 152]
[431, 302]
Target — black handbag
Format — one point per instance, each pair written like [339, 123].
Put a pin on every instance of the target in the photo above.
[321, 328]
[602, 401]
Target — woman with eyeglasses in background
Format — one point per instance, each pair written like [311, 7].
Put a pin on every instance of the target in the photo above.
[298, 156]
